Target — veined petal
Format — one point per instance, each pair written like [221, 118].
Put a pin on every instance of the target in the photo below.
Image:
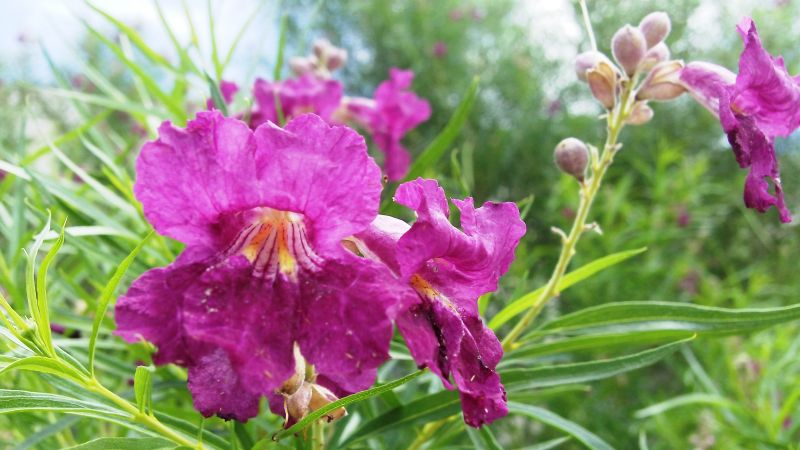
[707, 82]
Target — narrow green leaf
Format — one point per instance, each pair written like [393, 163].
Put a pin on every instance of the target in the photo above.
[704, 320]
[343, 402]
[99, 100]
[437, 148]
[583, 435]
[44, 365]
[522, 304]
[482, 438]
[17, 401]
[241, 434]
[216, 95]
[105, 297]
[547, 445]
[31, 441]
[117, 443]
[241, 32]
[36, 286]
[423, 410]
[66, 137]
[688, 400]
[143, 388]
[276, 73]
[214, 52]
[517, 380]
[186, 61]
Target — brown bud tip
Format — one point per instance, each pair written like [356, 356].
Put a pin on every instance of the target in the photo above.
[655, 27]
[588, 60]
[629, 46]
[603, 80]
[321, 396]
[663, 82]
[572, 157]
[659, 53]
[640, 114]
[298, 404]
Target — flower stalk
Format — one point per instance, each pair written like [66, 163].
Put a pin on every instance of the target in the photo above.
[589, 187]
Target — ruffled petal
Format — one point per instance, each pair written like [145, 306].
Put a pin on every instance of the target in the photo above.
[217, 389]
[305, 94]
[764, 89]
[187, 178]
[322, 172]
[707, 82]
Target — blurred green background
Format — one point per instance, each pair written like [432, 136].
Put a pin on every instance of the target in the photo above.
[675, 188]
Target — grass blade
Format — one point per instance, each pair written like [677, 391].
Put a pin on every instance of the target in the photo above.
[583, 435]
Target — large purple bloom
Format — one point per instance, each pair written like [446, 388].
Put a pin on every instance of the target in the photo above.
[446, 270]
[305, 94]
[394, 112]
[262, 214]
[755, 106]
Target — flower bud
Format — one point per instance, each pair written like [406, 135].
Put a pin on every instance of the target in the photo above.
[629, 46]
[640, 114]
[655, 27]
[336, 59]
[588, 60]
[663, 82]
[298, 405]
[659, 53]
[572, 157]
[294, 382]
[603, 80]
[301, 66]
[322, 48]
[321, 396]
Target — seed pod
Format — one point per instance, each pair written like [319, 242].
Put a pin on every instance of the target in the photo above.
[663, 82]
[294, 382]
[655, 27]
[321, 396]
[572, 157]
[298, 405]
[588, 60]
[603, 80]
[629, 46]
[640, 114]
[659, 53]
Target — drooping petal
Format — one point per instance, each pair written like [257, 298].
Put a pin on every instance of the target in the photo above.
[322, 172]
[378, 241]
[764, 89]
[188, 177]
[707, 82]
[305, 94]
[217, 389]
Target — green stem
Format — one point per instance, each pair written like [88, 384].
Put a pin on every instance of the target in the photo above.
[427, 432]
[147, 420]
[318, 435]
[589, 188]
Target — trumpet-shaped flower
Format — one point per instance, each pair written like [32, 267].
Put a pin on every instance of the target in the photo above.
[755, 106]
[445, 270]
[295, 96]
[390, 116]
[262, 214]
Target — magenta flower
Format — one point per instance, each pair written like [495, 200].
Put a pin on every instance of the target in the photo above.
[394, 112]
[439, 49]
[228, 89]
[446, 270]
[755, 106]
[262, 214]
[305, 94]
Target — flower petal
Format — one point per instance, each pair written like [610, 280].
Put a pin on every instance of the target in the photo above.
[217, 389]
[707, 82]
[305, 94]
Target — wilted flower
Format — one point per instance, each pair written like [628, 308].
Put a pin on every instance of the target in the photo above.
[262, 214]
[295, 96]
[395, 111]
[445, 270]
[755, 106]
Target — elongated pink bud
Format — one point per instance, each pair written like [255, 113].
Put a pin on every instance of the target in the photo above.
[629, 46]
[657, 54]
[588, 60]
[655, 27]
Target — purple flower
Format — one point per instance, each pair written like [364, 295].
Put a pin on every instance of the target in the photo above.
[394, 112]
[755, 106]
[262, 214]
[439, 49]
[305, 94]
[228, 89]
[446, 270]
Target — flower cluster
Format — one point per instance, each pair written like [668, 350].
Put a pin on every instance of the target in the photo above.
[393, 112]
[290, 281]
[754, 106]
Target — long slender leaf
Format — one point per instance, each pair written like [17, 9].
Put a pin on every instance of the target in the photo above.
[44, 365]
[521, 304]
[105, 297]
[108, 443]
[583, 435]
[687, 400]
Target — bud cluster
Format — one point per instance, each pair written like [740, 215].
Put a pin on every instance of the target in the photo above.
[325, 59]
[303, 395]
[637, 50]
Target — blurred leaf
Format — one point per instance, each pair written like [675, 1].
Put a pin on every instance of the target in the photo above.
[422, 410]
[482, 438]
[276, 73]
[143, 388]
[105, 297]
[112, 443]
[216, 95]
[696, 399]
[583, 435]
[523, 379]
[521, 304]
[44, 365]
[547, 445]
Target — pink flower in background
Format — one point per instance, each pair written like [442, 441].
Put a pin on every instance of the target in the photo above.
[262, 214]
[305, 94]
[395, 111]
[228, 89]
[439, 49]
[755, 106]
[445, 270]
